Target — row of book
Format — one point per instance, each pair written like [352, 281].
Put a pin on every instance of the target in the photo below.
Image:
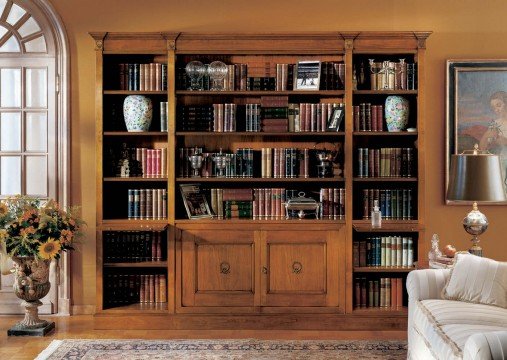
[385, 162]
[269, 203]
[247, 162]
[142, 77]
[368, 117]
[239, 164]
[385, 293]
[390, 75]
[285, 163]
[384, 251]
[395, 204]
[291, 117]
[123, 289]
[133, 246]
[332, 77]
[153, 163]
[147, 204]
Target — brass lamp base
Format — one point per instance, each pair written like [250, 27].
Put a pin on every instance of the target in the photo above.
[475, 223]
[475, 249]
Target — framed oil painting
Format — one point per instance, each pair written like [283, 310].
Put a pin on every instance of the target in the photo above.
[476, 109]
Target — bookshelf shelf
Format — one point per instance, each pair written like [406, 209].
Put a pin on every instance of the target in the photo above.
[383, 269]
[259, 222]
[135, 134]
[146, 223]
[262, 93]
[385, 179]
[141, 264]
[130, 92]
[385, 133]
[385, 92]
[260, 134]
[387, 227]
[160, 308]
[260, 180]
[374, 311]
[134, 179]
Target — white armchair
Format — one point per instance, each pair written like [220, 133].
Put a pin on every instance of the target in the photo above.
[448, 329]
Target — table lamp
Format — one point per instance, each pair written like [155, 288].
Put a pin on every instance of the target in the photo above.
[476, 175]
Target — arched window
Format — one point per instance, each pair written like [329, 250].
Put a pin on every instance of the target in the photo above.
[34, 152]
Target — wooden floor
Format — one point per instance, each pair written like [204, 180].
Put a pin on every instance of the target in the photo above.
[81, 327]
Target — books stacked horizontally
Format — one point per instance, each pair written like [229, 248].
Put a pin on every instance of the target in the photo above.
[147, 204]
[384, 251]
[384, 293]
[385, 162]
[123, 289]
[142, 77]
[132, 246]
[395, 204]
[232, 203]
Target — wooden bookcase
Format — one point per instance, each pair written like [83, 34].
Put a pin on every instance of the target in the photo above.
[250, 273]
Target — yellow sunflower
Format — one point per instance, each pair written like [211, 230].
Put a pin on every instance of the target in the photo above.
[49, 249]
[3, 209]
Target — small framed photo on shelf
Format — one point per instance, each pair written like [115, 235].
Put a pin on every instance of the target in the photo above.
[195, 202]
[336, 118]
[307, 75]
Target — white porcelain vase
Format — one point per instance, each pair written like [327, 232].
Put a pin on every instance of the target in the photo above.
[138, 113]
[396, 113]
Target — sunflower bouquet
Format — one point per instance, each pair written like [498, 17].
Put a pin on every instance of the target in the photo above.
[29, 227]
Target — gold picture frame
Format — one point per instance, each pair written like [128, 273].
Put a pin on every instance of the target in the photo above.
[476, 108]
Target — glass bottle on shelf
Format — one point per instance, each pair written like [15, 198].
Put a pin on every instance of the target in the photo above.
[435, 252]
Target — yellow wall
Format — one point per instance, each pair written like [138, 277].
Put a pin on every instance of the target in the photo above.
[462, 29]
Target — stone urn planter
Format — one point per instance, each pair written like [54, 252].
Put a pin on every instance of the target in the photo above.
[396, 113]
[31, 283]
[138, 113]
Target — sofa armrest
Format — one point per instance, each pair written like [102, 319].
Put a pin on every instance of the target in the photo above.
[486, 346]
[426, 284]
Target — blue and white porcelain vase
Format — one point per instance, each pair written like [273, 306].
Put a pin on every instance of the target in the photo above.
[396, 113]
[138, 112]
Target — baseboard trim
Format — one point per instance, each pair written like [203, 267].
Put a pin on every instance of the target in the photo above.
[248, 322]
[82, 309]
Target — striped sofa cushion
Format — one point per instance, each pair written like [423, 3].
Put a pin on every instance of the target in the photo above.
[477, 280]
[446, 325]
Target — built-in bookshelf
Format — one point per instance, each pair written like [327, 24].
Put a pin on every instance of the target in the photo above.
[251, 190]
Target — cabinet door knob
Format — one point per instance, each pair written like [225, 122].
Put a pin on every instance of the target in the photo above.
[264, 270]
[297, 267]
[225, 268]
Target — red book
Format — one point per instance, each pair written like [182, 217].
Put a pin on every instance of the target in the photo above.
[141, 289]
[357, 293]
[262, 208]
[255, 205]
[267, 204]
[356, 118]
[275, 128]
[276, 121]
[149, 163]
[374, 115]
[158, 159]
[380, 118]
[276, 163]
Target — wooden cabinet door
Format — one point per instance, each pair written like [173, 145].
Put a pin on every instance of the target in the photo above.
[300, 268]
[218, 268]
